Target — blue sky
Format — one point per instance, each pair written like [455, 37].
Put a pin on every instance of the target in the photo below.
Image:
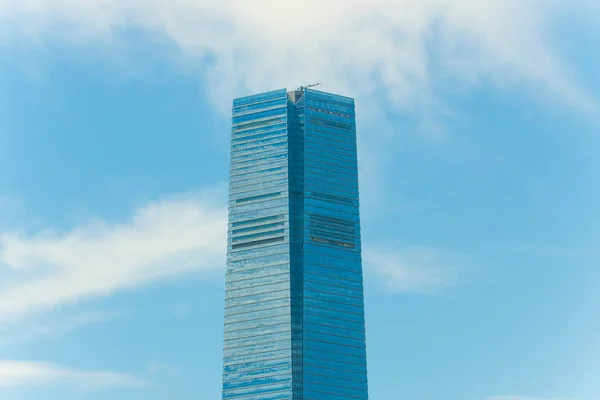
[479, 127]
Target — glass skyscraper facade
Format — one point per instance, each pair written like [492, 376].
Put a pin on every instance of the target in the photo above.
[294, 312]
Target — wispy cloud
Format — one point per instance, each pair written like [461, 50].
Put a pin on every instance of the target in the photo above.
[412, 270]
[162, 239]
[22, 373]
[380, 49]
[55, 325]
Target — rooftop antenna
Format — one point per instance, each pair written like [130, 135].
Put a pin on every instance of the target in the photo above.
[302, 88]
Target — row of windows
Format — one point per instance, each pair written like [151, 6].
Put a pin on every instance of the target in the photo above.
[311, 94]
[258, 281]
[252, 191]
[279, 119]
[325, 110]
[329, 115]
[311, 303]
[317, 149]
[313, 391]
[336, 382]
[260, 347]
[257, 182]
[243, 309]
[353, 275]
[252, 157]
[258, 165]
[251, 291]
[330, 220]
[263, 105]
[256, 228]
[239, 148]
[257, 197]
[260, 97]
[262, 158]
[337, 280]
[246, 178]
[333, 140]
[281, 370]
[320, 255]
[322, 292]
[252, 236]
[258, 365]
[238, 301]
[332, 286]
[334, 243]
[353, 376]
[319, 250]
[243, 358]
[262, 330]
[337, 348]
[257, 115]
[334, 198]
[257, 186]
[260, 220]
[319, 363]
[263, 148]
[255, 340]
[262, 251]
[333, 331]
[247, 265]
[257, 381]
[254, 136]
[331, 147]
[266, 212]
[335, 323]
[319, 168]
[257, 243]
[349, 110]
[253, 391]
[326, 336]
[331, 234]
[313, 120]
[334, 164]
[258, 205]
[330, 228]
[320, 182]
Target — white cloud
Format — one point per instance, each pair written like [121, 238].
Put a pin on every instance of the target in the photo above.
[165, 238]
[372, 49]
[411, 270]
[22, 373]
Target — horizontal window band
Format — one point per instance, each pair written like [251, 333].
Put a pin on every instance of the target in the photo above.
[332, 236]
[340, 221]
[333, 242]
[260, 98]
[257, 227]
[257, 220]
[259, 197]
[257, 235]
[326, 111]
[258, 242]
[340, 199]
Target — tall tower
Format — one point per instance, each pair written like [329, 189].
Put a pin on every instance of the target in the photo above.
[294, 312]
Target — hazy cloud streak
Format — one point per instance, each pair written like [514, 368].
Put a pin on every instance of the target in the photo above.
[22, 373]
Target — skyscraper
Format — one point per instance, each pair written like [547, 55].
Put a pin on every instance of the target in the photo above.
[294, 313]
